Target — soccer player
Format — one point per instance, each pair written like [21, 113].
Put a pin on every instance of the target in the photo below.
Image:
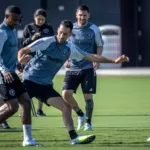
[51, 54]
[87, 37]
[33, 31]
[12, 90]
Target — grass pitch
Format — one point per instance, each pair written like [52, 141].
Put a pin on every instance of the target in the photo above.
[121, 119]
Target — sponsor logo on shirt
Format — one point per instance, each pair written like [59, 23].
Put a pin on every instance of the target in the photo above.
[73, 72]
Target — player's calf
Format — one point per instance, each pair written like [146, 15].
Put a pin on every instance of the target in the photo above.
[25, 103]
[8, 109]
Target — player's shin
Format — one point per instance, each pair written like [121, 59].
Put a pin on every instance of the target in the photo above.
[68, 96]
[89, 110]
[67, 117]
[25, 103]
[26, 116]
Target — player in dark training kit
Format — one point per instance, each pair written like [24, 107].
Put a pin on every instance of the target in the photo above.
[87, 37]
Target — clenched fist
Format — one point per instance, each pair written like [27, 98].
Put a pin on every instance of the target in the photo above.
[122, 59]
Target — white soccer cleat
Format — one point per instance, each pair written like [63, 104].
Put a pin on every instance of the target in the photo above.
[87, 127]
[148, 140]
[83, 139]
[31, 142]
[81, 121]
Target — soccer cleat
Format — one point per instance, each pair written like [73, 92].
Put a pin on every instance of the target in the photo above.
[5, 125]
[87, 127]
[81, 121]
[31, 142]
[148, 140]
[40, 113]
[83, 139]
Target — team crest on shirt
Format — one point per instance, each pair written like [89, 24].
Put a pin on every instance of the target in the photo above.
[12, 92]
[64, 53]
[45, 30]
[89, 35]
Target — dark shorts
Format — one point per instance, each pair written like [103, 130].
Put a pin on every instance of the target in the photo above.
[9, 91]
[41, 92]
[87, 79]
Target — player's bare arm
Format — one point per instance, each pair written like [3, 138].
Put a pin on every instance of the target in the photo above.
[96, 65]
[102, 59]
[23, 58]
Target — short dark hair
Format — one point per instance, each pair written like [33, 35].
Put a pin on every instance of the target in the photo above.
[13, 9]
[67, 24]
[41, 12]
[84, 8]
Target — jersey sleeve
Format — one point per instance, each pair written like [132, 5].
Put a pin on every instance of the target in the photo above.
[41, 44]
[3, 38]
[98, 37]
[76, 52]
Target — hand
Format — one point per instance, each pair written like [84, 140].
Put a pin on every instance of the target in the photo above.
[8, 78]
[19, 69]
[67, 64]
[122, 59]
[35, 36]
[25, 59]
[96, 65]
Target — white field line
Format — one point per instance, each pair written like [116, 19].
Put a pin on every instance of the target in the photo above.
[138, 123]
[118, 72]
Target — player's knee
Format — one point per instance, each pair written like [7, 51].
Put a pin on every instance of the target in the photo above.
[66, 108]
[25, 101]
[67, 94]
[26, 104]
[88, 96]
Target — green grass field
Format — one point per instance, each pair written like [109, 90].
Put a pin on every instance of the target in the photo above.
[121, 119]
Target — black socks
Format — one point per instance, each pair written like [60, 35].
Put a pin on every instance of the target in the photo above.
[73, 134]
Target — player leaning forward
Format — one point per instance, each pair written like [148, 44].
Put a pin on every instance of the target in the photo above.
[51, 54]
[12, 90]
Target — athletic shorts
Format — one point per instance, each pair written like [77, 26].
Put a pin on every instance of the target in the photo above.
[9, 91]
[41, 92]
[87, 79]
